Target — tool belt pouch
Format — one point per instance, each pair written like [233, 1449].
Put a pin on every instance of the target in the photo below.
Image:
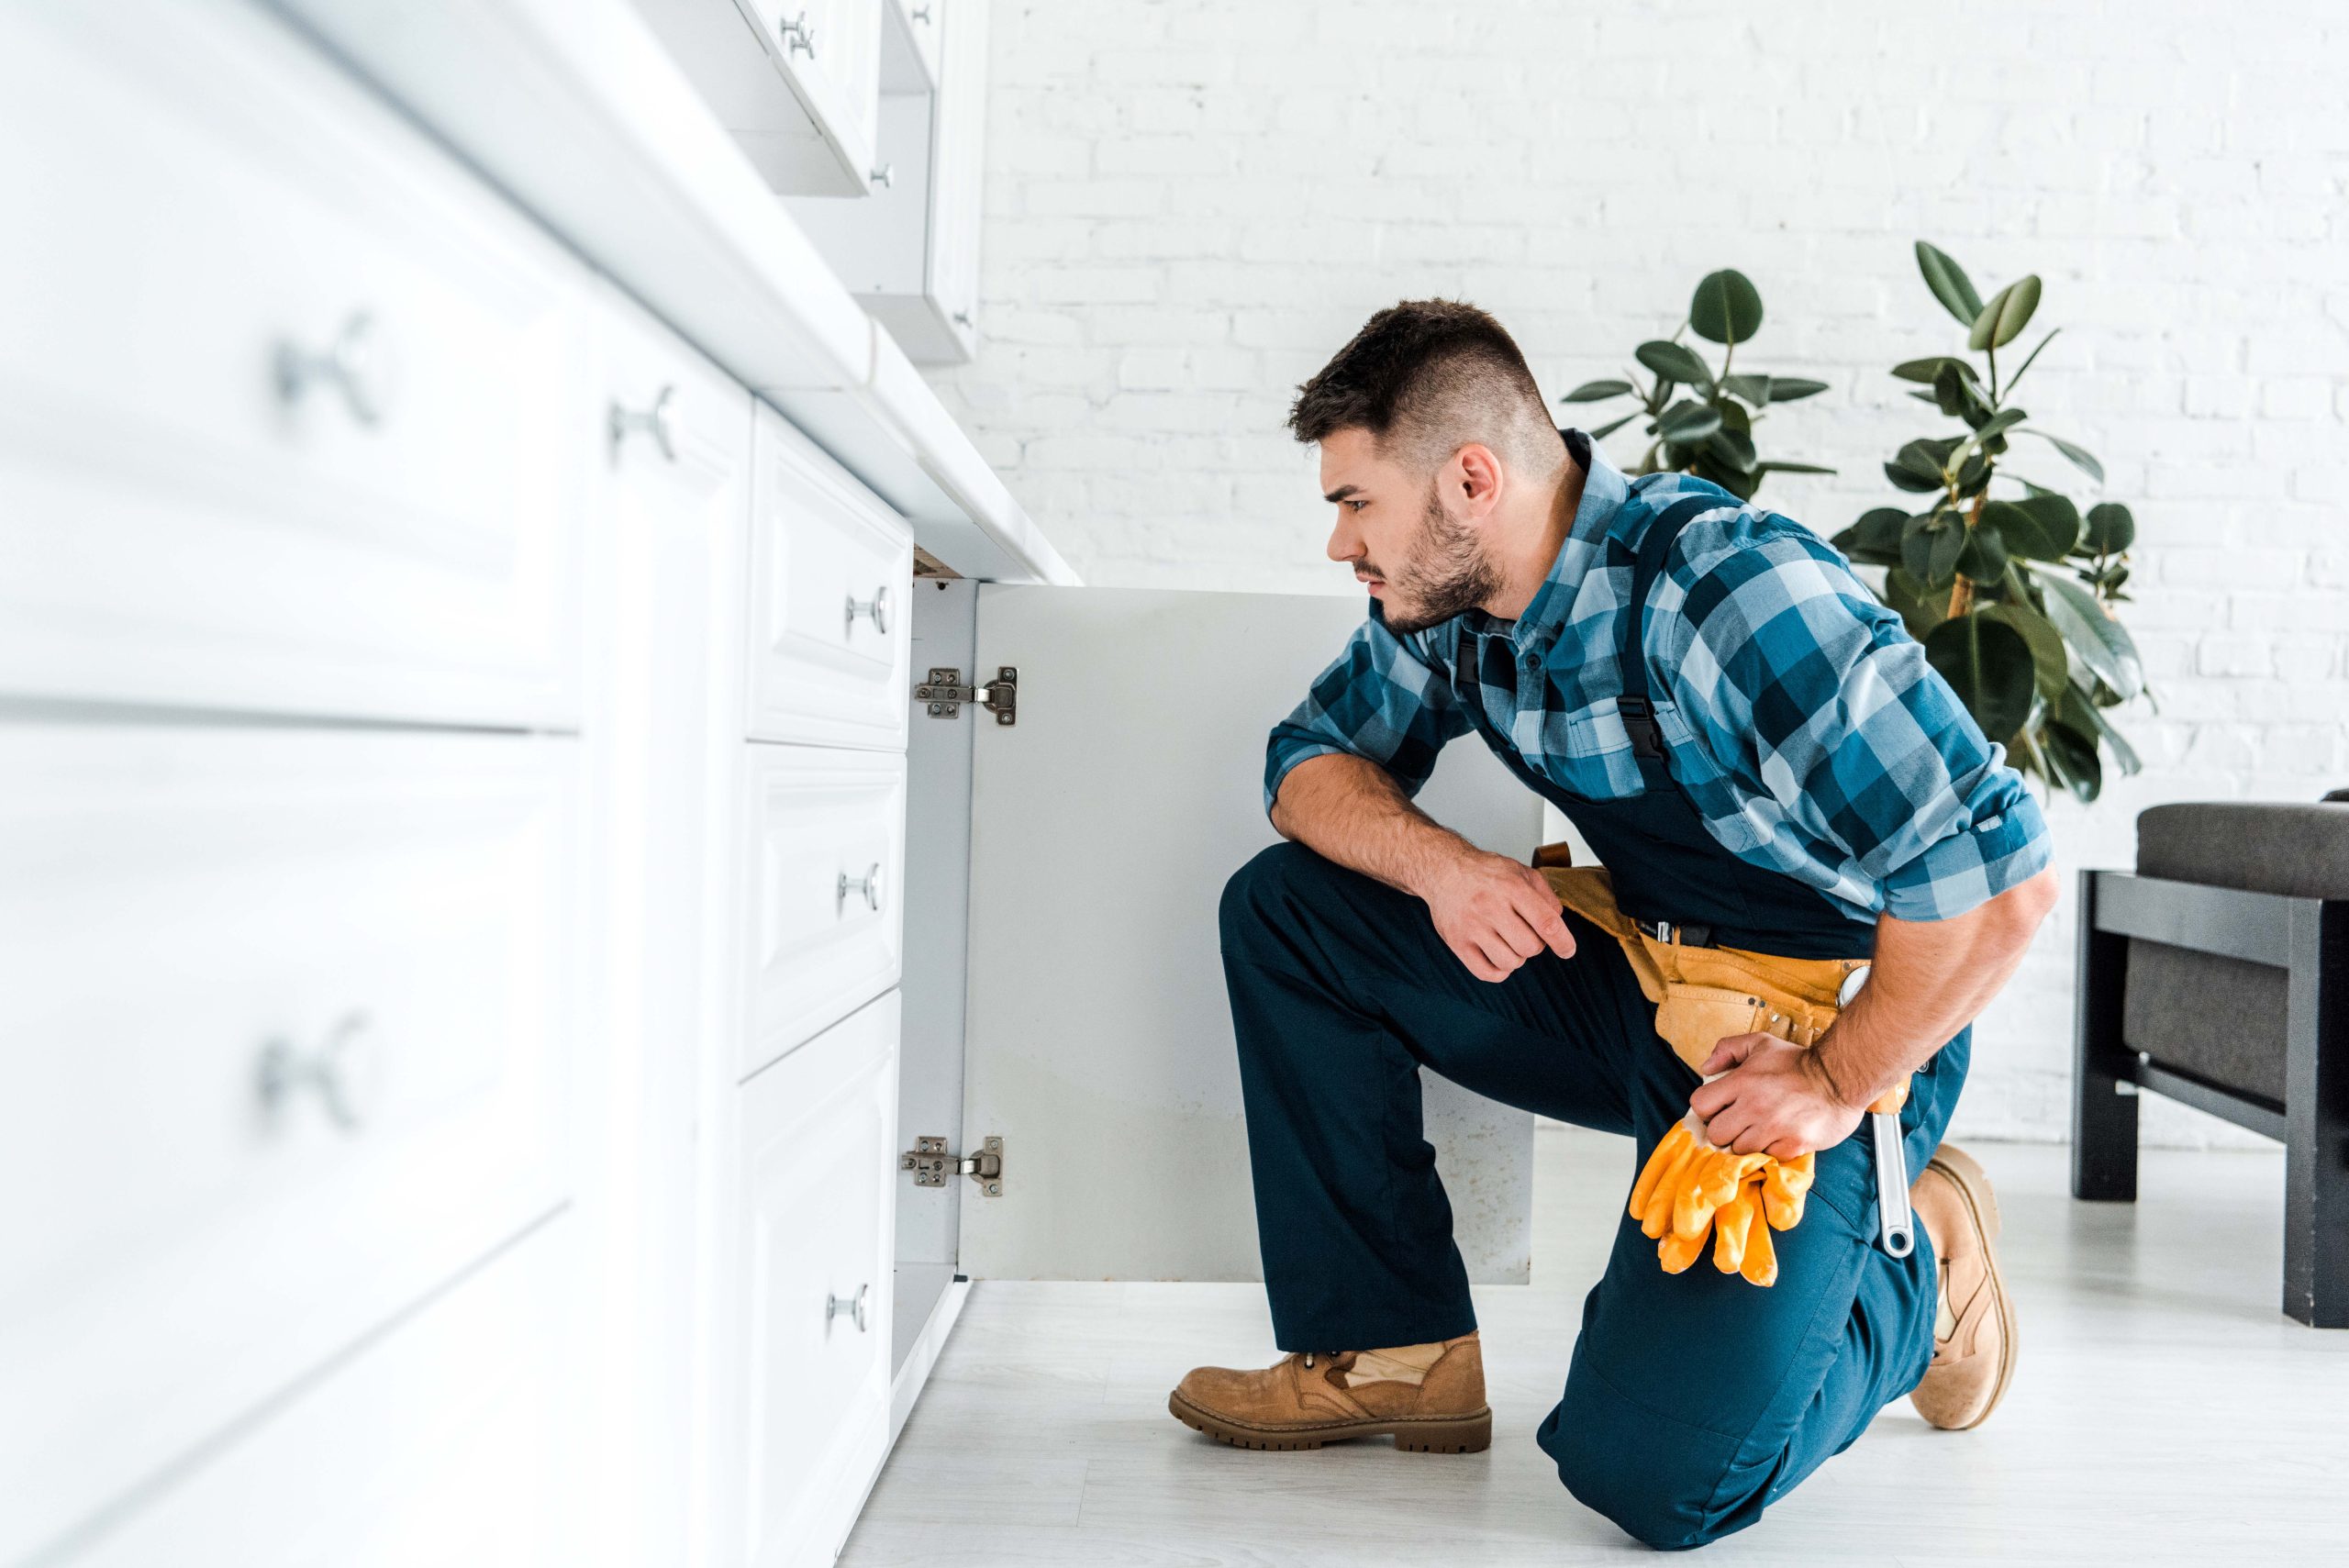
[1689, 1189]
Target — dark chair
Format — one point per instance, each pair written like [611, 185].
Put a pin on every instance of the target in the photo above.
[2219, 976]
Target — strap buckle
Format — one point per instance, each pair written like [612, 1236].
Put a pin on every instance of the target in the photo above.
[1639, 721]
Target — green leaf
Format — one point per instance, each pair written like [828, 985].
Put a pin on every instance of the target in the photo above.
[1787, 388]
[1989, 664]
[2001, 321]
[2005, 420]
[1776, 465]
[2072, 756]
[2103, 644]
[1917, 468]
[1919, 608]
[1957, 393]
[1727, 308]
[1754, 389]
[1733, 448]
[1593, 391]
[1875, 539]
[2080, 459]
[1738, 484]
[2078, 712]
[1612, 426]
[2110, 530]
[1983, 555]
[1686, 423]
[1675, 362]
[1947, 545]
[2052, 666]
[1925, 369]
[2039, 527]
[1949, 283]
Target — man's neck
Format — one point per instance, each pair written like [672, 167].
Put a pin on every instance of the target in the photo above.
[1529, 547]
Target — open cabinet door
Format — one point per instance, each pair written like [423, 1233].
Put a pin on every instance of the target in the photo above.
[1104, 823]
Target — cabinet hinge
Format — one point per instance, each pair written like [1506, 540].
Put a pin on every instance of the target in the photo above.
[932, 1165]
[944, 694]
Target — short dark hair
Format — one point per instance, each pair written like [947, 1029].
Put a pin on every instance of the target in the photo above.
[1428, 376]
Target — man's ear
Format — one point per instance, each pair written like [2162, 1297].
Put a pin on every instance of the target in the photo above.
[1478, 479]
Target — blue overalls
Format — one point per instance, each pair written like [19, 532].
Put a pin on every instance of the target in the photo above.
[1693, 1400]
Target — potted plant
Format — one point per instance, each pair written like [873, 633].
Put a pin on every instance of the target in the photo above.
[2013, 593]
[1708, 433]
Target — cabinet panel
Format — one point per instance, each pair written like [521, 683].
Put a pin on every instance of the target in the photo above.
[292, 416]
[663, 721]
[283, 1019]
[819, 1162]
[830, 568]
[451, 1440]
[824, 862]
[793, 81]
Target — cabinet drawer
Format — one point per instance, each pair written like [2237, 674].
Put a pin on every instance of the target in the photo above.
[815, 1242]
[452, 1440]
[294, 414]
[824, 866]
[282, 1015]
[825, 667]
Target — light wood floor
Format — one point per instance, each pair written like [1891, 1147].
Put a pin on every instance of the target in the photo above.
[2165, 1411]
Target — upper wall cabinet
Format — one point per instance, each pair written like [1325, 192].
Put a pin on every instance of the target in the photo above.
[911, 250]
[797, 82]
[909, 38]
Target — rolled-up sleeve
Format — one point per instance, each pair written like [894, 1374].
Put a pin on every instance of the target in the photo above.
[1823, 702]
[1381, 699]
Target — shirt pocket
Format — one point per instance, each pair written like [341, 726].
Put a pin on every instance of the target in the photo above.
[1589, 753]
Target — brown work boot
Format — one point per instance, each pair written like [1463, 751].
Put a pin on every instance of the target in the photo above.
[1974, 1324]
[1430, 1397]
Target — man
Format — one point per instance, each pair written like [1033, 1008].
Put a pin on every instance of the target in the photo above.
[1767, 765]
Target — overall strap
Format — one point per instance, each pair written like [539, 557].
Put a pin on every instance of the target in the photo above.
[1638, 713]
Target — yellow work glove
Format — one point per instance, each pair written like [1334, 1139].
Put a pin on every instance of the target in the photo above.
[1688, 1187]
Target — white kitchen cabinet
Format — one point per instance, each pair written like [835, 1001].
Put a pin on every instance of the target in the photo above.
[910, 250]
[289, 403]
[453, 1442]
[663, 717]
[796, 82]
[290, 1022]
[830, 568]
[1093, 1037]
[809, 1321]
[910, 44]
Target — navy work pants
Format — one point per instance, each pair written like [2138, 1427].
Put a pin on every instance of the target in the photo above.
[1693, 1400]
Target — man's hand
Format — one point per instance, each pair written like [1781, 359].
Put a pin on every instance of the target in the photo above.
[1773, 1097]
[1495, 913]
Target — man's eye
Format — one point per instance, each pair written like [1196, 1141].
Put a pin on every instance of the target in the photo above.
[1357, 506]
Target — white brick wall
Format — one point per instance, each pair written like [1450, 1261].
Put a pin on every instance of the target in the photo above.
[1191, 203]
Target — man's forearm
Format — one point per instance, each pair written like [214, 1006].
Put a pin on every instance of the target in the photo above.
[1351, 810]
[1929, 980]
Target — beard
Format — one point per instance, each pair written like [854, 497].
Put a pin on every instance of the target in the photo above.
[1447, 573]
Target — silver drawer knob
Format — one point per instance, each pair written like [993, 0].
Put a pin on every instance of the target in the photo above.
[343, 1072]
[877, 606]
[798, 35]
[354, 364]
[963, 319]
[853, 1307]
[660, 422]
[867, 887]
[921, 15]
[886, 176]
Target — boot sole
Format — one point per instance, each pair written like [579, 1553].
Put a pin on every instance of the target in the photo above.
[1982, 1200]
[1434, 1434]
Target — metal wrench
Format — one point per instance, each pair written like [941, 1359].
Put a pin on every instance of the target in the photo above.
[1895, 1224]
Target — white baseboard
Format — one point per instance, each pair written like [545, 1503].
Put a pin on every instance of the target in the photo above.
[912, 1376]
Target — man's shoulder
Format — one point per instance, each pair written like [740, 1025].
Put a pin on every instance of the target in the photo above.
[1731, 540]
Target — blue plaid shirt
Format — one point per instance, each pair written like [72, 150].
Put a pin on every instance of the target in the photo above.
[1799, 716]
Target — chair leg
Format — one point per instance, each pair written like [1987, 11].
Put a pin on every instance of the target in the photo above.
[2316, 1119]
[2104, 1088]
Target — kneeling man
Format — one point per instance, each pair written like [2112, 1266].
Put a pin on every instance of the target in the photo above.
[1787, 800]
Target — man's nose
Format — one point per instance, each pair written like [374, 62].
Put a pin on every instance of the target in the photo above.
[1345, 543]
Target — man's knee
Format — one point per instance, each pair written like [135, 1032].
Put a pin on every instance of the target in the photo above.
[1658, 1480]
[1267, 894]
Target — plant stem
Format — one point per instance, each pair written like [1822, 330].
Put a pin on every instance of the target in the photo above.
[1993, 352]
[1961, 592]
